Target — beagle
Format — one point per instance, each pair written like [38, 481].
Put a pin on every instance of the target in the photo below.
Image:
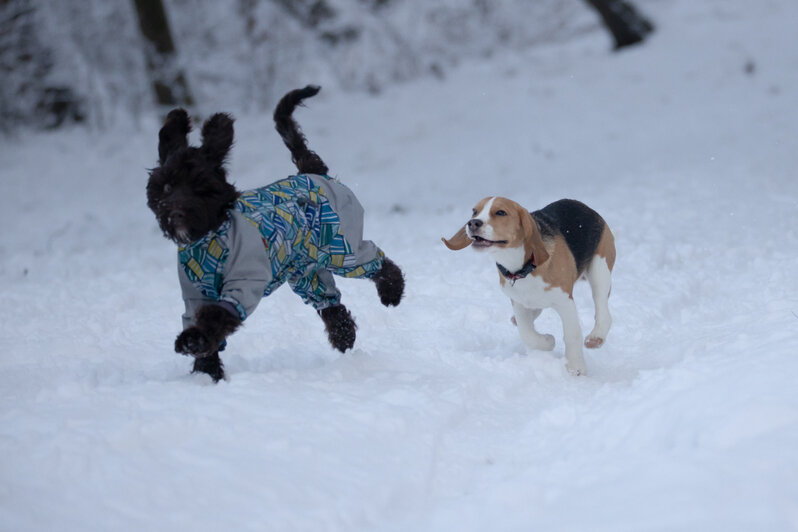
[540, 255]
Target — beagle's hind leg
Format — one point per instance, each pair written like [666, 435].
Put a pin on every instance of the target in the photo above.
[599, 276]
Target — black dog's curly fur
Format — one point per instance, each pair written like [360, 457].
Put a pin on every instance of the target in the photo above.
[213, 325]
[390, 283]
[306, 161]
[188, 191]
[190, 196]
[340, 326]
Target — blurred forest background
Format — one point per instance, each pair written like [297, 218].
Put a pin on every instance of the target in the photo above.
[100, 61]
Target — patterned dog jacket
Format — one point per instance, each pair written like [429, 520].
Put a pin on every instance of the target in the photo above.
[301, 230]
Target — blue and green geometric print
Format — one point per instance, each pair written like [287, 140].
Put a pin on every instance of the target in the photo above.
[301, 233]
[204, 260]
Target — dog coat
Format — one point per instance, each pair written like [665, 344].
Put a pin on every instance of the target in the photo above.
[301, 230]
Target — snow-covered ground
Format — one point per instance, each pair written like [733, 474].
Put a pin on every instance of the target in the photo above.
[437, 420]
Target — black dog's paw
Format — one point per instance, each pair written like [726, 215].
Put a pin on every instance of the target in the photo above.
[212, 365]
[192, 342]
[340, 327]
[390, 283]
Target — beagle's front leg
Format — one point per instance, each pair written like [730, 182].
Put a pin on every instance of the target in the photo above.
[525, 320]
[572, 335]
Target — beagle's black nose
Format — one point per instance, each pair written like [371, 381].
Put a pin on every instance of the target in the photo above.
[474, 224]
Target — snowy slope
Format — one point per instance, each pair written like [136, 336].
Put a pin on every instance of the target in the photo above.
[438, 420]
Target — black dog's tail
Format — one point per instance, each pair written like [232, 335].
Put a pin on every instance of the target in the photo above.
[306, 161]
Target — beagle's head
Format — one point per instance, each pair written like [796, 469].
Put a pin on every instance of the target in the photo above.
[498, 223]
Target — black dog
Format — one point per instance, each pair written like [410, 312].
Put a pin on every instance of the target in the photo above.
[236, 247]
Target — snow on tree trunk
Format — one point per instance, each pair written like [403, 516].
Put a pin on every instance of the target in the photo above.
[168, 80]
[242, 55]
[627, 26]
[27, 92]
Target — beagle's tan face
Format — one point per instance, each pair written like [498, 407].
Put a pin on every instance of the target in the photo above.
[496, 222]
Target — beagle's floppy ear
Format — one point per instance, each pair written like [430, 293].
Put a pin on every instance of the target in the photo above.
[533, 242]
[459, 241]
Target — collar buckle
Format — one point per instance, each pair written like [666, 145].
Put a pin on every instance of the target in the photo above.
[528, 267]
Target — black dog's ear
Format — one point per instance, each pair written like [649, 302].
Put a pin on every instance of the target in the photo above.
[217, 138]
[173, 134]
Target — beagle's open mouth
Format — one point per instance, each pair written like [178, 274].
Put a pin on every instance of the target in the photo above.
[479, 242]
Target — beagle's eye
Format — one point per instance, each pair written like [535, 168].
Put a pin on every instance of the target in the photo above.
[473, 212]
[500, 213]
[167, 188]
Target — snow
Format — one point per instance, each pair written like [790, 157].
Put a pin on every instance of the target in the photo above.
[438, 419]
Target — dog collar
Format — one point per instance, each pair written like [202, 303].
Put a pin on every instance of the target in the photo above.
[529, 267]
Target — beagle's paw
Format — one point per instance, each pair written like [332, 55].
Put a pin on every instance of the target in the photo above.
[594, 342]
[576, 371]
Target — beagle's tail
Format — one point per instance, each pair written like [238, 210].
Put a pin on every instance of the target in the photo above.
[306, 161]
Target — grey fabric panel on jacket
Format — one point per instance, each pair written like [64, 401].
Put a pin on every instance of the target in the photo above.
[351, 213]
[192, 297]
[247, 271]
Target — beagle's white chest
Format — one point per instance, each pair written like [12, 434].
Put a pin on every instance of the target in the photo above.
[533, 292]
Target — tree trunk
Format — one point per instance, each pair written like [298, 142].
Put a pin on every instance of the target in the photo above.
[28, 94]
[624, 22]
[168, 81]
